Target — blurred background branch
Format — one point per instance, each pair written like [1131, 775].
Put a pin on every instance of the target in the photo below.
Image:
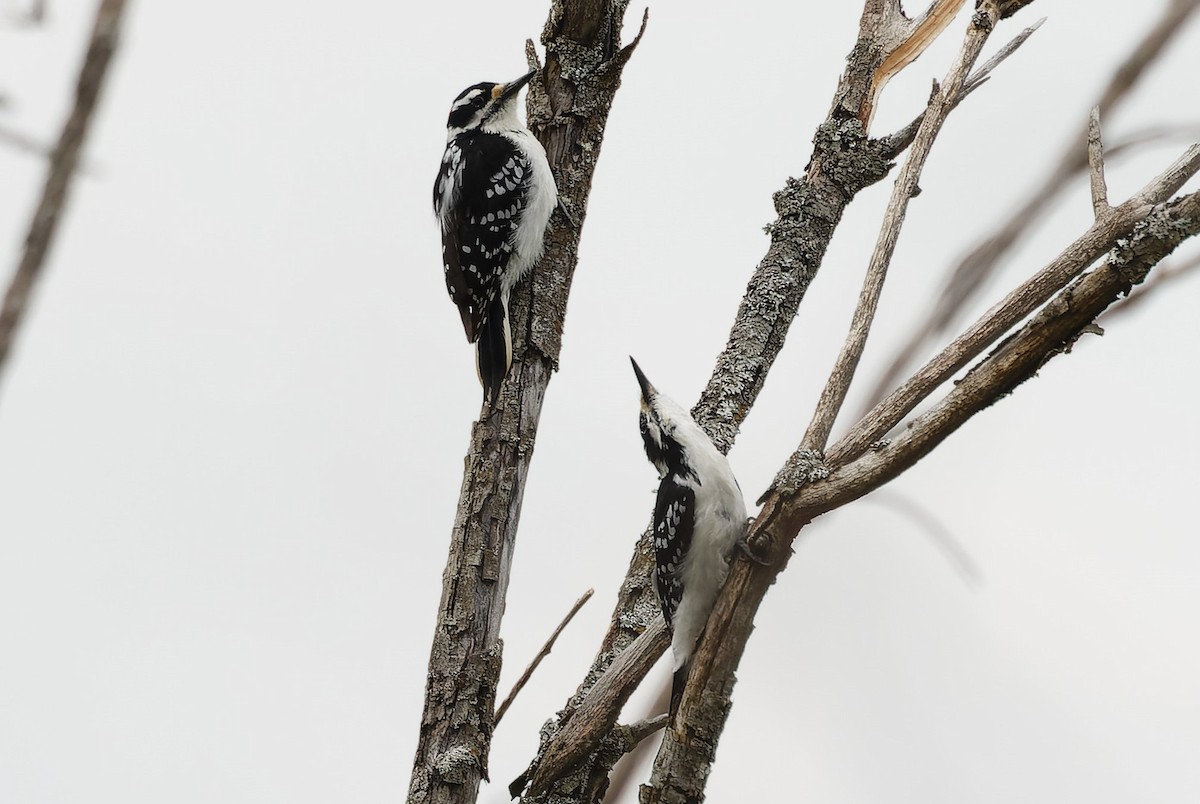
[63, 160]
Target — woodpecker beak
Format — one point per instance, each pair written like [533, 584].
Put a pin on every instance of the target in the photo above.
[502, 93]
[648, 391]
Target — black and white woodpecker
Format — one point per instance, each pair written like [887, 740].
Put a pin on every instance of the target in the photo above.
[699, 518]
[493, 198]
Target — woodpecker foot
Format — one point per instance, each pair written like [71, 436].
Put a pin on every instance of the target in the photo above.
[566, 214]
[748, 552]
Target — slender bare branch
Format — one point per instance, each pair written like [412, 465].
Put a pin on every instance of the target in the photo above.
[542, 654]
[636, 732]
[706, 699]
[907, 40]
[1095, 157]
[63, 161]
[582, 727]
[969, 274]
[1051, 332]
[1116, 223]
[940, 105]
[904, 137]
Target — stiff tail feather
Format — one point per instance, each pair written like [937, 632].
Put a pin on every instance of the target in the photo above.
[678, 682]
[493, 355]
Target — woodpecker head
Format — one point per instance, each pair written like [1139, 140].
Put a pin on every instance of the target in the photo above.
[487, 106]
[666, 427]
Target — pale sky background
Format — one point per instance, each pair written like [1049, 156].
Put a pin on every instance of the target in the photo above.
[231, 438]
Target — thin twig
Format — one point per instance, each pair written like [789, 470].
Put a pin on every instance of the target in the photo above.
[542, 654]
[596, 714]
[969, 275]
[634, 733]
[63, 161]
[1095, 156]
[901, 139]
[940, 106]
[909, 39]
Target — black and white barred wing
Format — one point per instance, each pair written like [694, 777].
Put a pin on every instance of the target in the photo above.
[674, 517]
[477, 196]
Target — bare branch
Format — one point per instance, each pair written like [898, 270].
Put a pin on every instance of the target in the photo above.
[706, 699]
[1051, 332]
[568, 108]
[843, 162]
[63, 161]
[582, 726]
[939, 108]
[636, 732]
[1163, 277]
[1095, 156]
[906, 41]
[542, 654]
[900, 140]
[1117, 222]
[968, 276]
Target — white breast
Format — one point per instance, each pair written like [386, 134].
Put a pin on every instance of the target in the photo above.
[529, 238]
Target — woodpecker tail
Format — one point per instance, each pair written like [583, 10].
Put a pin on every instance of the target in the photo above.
[678, 682]
[493, 355]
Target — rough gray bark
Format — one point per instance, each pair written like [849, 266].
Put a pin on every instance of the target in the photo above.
[844, 161]
[809, 484]
[814, 488]
[686, 757]
[63, 161]
[688, 750]
[568, 108]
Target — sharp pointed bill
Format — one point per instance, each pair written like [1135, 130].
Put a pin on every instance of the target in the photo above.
[493, 198]
[647, 388]
[699, 516]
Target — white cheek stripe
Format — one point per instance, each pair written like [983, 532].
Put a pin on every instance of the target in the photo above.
[465, 99]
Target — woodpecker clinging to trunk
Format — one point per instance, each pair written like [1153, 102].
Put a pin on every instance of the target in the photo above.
[493, 198]
[699, 518]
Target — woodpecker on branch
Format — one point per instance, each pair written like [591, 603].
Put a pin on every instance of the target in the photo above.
[493, 197]
[699, 518]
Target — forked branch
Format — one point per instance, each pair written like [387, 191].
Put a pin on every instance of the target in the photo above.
[940, 106]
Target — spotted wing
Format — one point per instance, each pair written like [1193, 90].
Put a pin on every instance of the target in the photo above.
[478, 194]
[674, 516]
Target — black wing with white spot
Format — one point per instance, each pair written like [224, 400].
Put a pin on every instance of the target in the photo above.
[490, 177]
[674, 516]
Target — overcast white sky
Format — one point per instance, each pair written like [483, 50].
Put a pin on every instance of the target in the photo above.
[232, 437]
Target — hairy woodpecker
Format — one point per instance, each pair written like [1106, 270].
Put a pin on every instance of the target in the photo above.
[493, 198]
[699, 518]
